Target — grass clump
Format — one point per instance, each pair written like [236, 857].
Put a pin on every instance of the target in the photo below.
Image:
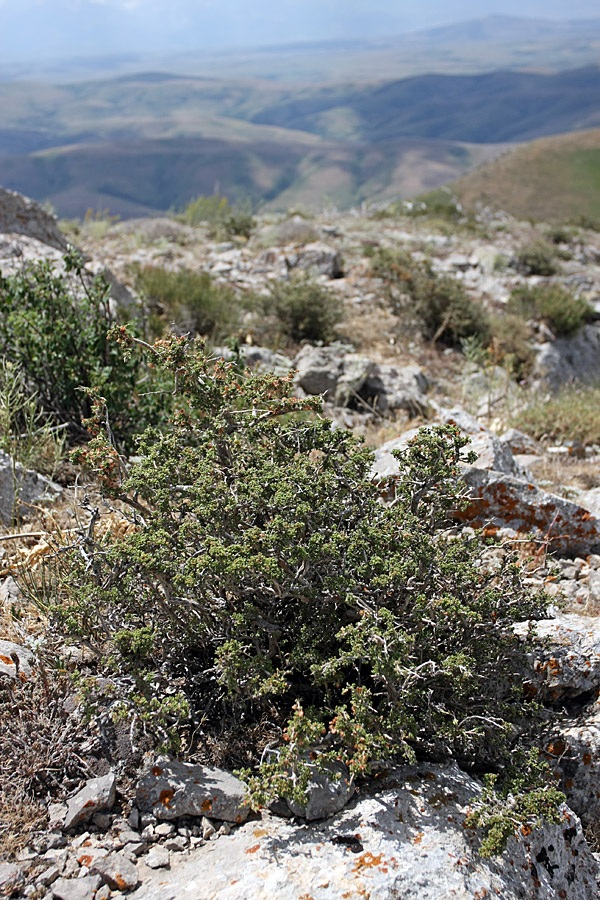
[265, 596]
[443, 310]
[573, 414]
[302, 310]
[563, 312]
[191, 301]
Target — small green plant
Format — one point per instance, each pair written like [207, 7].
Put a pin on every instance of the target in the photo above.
[573, 414]
[53, 329]
[442, 308]
[263, 577]
[303, 309]
[217, 212]
[537, 258]
[559, 308]
[189, 300]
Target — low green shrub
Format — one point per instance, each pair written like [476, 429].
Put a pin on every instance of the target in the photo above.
[264, 595]
[217, 212]
[53, 328]
[559, 308]
[303, 309]
[191, 301]
[439, 303]
[573, 414]
[537, 258]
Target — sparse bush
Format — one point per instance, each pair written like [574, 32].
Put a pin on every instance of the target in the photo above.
[537, 258]
[217, 212]
[553, 304]
[573, 414]
[53, 328]
[440, 304]
[191, 301]
[263, 581]
[303, 309]
[511, 344]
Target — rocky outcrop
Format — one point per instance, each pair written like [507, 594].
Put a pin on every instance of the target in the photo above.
[569, 359]
[408, 840]
[21, 215]
[171, 789]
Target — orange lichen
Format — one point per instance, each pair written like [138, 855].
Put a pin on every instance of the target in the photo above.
[165, 797]
[367, 861]
[253, 849]
[156, 770]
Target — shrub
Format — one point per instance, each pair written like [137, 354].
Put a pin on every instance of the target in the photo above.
[262, 587]
[440, 304]
[192, 301]
[511, 344]
[53, 328]
[553, 304]
[304, 310]
[224, 218]
[537, 258]
[573, 414]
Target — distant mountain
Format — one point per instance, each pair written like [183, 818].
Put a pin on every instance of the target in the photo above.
[134, 178]
[553, 179]
[488, 108]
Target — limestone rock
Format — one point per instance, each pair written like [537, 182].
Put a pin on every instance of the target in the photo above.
[11, 878]
[15, 661]
[21, 215]
[76, 888]
[504, 503]
[319, 369]
[575, 358]
[407, 841]
[20, 488]
[171, 789]
[317, 256]
[118, 872]
[98, 794]
[327, 795]
[567, 657]
[157, 858]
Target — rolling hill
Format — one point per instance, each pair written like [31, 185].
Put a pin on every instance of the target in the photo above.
[555, 179]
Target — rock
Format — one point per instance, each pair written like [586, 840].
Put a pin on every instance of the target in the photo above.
[208, 829]
[590, 500]
[317, 256]
[157, 858]
[20, 215]
[133, 818]
[519, 443]
[388, 388]
[15, 661]
[165, 829]
[567, 656]
[76, 888]
[176, 844]
[504, 504]
[569, 359]
[575, 756]
[11, 878]
[491, 453]
[117, 872]
[10, 592]
[97, 795]
[171, 789]
[329, 790]
[48, 876]
[407, 841]
[319, 369]
[20, 488]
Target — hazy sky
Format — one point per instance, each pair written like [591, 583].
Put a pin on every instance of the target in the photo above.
[31, 29]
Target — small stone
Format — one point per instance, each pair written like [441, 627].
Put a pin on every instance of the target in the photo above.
[208, 829]
[48, 876]
[80, 840]
[97, 795]
[76, 888]
[196, 841]
[102, 821]
[129, 837]
[10, 878]
[26, 855]
[164, 829]
[56, 840]
[147, 819]
[103, 892]
[133, 819]
[157, 858]
[84, 870]
[185, 832]
[148, 834]
[71, 867]
[176, 843]
[30, 890]
[117, 872]
[225, 828]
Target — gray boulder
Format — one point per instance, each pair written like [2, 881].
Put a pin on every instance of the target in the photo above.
[21, 488]
[97, 795]
[21, 215]
[407, 841]
[171, 788]
[76, 888]
[15, 661]
[329, 790]
[118, 872]
[569, 359]
[319, 369]
[317, 256]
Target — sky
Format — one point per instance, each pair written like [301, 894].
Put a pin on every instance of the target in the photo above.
[53, 29]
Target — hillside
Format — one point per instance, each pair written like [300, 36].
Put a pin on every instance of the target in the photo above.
[553, 179]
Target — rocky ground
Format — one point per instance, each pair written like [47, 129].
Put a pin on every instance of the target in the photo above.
[185, 831]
